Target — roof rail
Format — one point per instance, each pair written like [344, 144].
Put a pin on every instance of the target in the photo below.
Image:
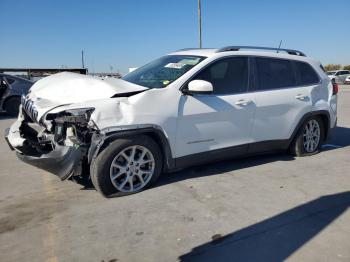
[237, 48]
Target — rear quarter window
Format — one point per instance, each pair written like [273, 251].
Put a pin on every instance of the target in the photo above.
[274, 73]
[306, 74]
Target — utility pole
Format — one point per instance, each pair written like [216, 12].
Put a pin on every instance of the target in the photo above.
[200, 23]
[82, 58]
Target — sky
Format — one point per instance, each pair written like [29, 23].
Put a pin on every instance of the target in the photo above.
[116, 35]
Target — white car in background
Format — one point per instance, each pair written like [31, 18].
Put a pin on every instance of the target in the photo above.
[189, 107]
[338, 76]
[347, 80]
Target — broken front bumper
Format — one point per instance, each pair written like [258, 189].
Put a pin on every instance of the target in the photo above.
[62, 161]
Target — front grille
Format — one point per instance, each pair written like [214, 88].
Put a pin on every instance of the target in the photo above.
[29, 107]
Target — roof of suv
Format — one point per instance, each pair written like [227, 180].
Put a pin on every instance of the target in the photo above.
[246, 50]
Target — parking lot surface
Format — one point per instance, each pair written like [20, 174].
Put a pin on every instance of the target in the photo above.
[266, 208]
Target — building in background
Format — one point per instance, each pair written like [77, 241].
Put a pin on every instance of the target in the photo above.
[106, 75]
[35, 74]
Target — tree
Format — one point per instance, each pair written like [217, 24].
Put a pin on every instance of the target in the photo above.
[332, 67]
[347, 67]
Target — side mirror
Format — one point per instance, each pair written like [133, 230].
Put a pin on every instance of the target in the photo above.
[200, 87]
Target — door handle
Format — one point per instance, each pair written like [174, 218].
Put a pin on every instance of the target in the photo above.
[243, 102]
[300, 97]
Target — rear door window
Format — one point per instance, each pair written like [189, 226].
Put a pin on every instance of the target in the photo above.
[274, 73]
[306, 74]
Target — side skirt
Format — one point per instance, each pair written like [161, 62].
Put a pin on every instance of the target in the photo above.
[232, 153]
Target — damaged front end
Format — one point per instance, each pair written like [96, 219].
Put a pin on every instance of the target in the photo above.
[58, 144]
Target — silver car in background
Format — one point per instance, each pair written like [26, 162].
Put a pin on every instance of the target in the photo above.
[347, 80]
[338, 76]
[11, 90]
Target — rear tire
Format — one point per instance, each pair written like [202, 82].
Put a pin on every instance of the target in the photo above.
[126, 166]
[309, 138]
[11, 106]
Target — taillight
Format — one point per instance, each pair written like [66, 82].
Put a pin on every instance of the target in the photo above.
[335, 88]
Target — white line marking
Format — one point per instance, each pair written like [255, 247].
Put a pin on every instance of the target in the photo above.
[331, 145]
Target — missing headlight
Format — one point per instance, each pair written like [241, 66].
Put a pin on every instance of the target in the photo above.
[71, 126]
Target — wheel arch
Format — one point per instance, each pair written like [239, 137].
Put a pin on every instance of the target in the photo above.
[6, 99]
[325, 116]
[100, 142]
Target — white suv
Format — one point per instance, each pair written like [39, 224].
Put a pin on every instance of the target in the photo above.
[186, 108]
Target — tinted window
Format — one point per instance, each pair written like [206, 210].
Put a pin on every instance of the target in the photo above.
[275, 73]
[10, 80]
[307, 74]
[229, 75]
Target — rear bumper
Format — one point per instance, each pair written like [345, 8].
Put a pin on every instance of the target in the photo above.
[62, 161]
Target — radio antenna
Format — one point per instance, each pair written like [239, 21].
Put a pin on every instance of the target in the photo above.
[279, 47]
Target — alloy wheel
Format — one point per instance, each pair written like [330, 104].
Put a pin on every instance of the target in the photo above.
[132, 168]
[311, 136]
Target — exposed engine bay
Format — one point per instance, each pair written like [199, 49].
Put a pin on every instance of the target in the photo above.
[61, 145]
[68, 128]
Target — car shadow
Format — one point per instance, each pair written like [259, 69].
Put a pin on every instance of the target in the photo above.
[221, 167]
[340, 137]
[276, 238]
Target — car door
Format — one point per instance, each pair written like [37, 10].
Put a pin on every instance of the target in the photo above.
[342, 76]
[338, 76]
[3, 86]
[284, 93]
[222, 119]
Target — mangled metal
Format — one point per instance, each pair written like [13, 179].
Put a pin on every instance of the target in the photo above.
[55, 136]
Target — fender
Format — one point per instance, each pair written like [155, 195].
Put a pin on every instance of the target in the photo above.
[325, 117]
[100, 141]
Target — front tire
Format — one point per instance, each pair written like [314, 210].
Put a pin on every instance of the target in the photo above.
[12, 106]
[309, 138]
[126, 166]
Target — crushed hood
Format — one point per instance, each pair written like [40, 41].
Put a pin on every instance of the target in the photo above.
[70, 88]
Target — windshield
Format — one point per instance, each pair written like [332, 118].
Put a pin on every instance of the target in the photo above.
[330, 73]
[163, 71]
